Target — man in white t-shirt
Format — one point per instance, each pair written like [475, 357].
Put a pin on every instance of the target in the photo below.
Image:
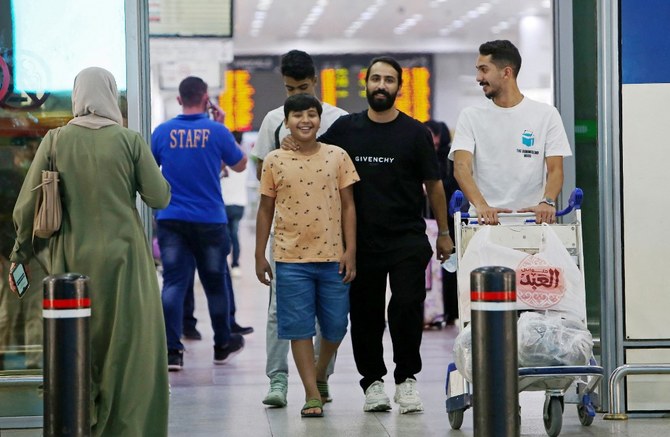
[299, 76]
[508, 153]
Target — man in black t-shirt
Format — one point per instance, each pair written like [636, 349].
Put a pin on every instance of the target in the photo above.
[395, 158]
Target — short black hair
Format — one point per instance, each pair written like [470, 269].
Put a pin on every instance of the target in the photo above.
[297, 65]
[386, 60]
[301, 102]
[503, 53]
[191, 90]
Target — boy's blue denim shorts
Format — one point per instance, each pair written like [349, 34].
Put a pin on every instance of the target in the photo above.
[309, 290]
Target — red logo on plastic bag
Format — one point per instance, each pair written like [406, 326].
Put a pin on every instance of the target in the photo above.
[538, 284]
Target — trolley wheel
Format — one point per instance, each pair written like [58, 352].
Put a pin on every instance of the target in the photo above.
[584, 417]
[455, 419]
[553, 416]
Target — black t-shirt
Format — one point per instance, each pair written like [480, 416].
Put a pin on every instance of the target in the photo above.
[393, 160]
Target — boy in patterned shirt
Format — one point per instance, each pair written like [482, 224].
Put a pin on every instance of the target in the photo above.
[315, 242]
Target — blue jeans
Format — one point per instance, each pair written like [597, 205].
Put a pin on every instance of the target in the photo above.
[235, 214]
[190, 321]
[207, 244]
[277, 350]
[309, 290]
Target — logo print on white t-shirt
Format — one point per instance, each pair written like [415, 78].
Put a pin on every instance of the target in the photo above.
[528, 141]
[527, 138]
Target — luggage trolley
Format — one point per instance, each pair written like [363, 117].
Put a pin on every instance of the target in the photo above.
[561, 384]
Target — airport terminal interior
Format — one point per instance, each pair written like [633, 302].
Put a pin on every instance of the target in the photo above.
[588, 58]
[225, 400]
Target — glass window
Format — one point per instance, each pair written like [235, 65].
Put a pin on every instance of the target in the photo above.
[39, 58]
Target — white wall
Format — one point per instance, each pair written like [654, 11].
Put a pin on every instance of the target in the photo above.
[645, 157]
[455, 87]
[173, 59]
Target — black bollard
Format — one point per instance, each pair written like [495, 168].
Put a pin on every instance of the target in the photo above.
[494, 352]
[67, 360]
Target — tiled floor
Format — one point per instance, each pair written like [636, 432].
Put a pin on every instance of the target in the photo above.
[211, 400]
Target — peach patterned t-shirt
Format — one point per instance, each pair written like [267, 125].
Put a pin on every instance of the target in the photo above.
[308, 208]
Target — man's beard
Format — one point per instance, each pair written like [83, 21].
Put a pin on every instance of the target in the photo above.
[492, 93]
[380, 105]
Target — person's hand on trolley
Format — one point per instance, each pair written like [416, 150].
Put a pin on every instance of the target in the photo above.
[544, 213]
[487, 215]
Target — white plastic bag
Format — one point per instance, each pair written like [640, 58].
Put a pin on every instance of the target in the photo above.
[543, 339]
[463, 352]
[552, 340]
[549, 279]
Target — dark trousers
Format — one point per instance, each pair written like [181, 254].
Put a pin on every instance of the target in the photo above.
[405, 315]
[450, 296]
[235, 214]
[206, 244]
[190, 321]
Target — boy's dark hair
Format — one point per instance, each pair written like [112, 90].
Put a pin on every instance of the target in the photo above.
[297, 65]
[386, 60]
[503, 53]
[302, 102]
[191, 90]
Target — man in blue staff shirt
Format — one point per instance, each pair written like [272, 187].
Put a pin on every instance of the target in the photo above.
[191, 149]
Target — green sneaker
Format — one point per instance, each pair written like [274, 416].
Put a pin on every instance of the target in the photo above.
[276, 397]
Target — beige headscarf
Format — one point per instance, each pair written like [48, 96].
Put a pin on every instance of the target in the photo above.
[94, 99]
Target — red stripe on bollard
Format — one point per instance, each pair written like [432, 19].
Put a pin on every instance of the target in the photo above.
[66, 304]
[493, 296]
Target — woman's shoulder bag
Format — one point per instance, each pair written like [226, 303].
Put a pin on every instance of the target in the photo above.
[48, 209]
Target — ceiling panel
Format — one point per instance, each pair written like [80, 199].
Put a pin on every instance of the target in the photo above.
[275, 26]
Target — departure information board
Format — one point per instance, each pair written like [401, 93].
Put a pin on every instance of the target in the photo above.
[254, 86]
[191, 18]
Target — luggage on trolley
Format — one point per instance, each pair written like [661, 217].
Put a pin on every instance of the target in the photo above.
[556, 300]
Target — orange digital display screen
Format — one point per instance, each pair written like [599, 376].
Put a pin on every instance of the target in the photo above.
[237, 101]
[254, 87]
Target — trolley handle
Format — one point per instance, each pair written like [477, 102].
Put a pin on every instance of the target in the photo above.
[575, 202]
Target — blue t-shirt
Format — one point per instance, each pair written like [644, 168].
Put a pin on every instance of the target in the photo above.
[190, 149]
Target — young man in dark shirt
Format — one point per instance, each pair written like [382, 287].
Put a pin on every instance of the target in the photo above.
[394, 156]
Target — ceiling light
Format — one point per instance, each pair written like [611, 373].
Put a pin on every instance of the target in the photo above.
[263, 5]
[312, 17]
[366, 15]
[484, 8]
[259, 16]
[407, 24]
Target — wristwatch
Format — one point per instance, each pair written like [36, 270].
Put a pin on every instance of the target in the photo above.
[549, 201]
[443, 233]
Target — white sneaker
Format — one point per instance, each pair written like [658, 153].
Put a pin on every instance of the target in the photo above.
[407, 396]
[376, 399]
[235, 272]
[276, 397]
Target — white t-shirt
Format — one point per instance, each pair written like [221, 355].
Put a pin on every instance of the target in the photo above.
[509, 147]
[234, 187]
[265, 142]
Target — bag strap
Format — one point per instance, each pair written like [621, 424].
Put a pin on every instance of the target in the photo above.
[52, 163]
[277, 143]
